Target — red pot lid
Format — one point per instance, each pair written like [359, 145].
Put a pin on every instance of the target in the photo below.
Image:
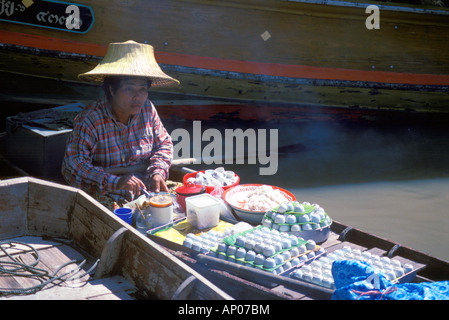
[190, 189]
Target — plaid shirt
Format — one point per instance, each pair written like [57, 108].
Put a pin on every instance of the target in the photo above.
[99, 141]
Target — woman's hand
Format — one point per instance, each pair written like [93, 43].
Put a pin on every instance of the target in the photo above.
[131, 183]
[157, 183]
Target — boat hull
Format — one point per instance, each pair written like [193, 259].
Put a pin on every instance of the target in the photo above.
[290, 52]
[29, 208]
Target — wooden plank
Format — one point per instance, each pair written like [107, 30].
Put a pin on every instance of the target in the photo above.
[110, 254]
[13, 207]
[45, 215]
[155, 271]
[22, 244]
[114, 287]
[92, 224]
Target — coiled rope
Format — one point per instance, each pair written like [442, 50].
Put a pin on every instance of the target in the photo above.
[18, 268]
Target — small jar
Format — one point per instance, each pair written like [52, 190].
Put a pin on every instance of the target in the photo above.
[161, 210]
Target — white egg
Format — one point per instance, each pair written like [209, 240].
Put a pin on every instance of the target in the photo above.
[390, 275]
[240, 241]
[294, 241]
[385, 260]
[315, 218]
[196, 245]
[310, 245]
[310, 255]
[222, 247]
[295, 261]
[286, 244]
[279, 219]
[295, 228]
[306, 227]
[268, 251]
[307, 276]
[349, 256]
[294, 252]
[303, 218]
[332, 257]
[259, 259]
[302, 249]
[250, 256]
[395, 263]
[306, 268]
[188, 242]
[366, 255]
[267, 223]
[282, 208]
[258, 247]
[240, 253]
[249, 244]
[298, 208]
[327, 282]
[277, 246]
[399, 271]
[317, 278]
[286, 255]
[279, 259]
[346, 249]
[408, 267]
[231, 250]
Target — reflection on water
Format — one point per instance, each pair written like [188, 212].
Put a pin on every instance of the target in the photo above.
[388, 179]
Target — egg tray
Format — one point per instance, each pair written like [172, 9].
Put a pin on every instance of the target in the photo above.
[406, 277]
[318, 232]
[308, 209]
[231, 241]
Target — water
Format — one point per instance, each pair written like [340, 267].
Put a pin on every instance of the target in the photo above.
[389, 179]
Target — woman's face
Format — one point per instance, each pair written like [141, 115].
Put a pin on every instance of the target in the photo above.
[129, 98]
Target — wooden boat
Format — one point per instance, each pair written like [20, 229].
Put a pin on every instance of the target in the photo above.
[293, 59]
[59, 223]
[152, 266]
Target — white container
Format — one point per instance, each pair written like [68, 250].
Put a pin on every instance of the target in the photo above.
[203, 211]
[161, 210]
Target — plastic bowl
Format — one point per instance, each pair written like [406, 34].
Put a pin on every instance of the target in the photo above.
[209, 189]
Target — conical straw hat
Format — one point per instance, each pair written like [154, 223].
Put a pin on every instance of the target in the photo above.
[130, 59]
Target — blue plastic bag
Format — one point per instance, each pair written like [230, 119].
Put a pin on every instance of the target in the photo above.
[356, 280]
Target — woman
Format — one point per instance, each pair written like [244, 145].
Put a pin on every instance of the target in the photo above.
[123, 129]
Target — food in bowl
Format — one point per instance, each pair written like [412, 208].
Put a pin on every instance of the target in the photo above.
[218, 177]
[249, 201]
[257, 198]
